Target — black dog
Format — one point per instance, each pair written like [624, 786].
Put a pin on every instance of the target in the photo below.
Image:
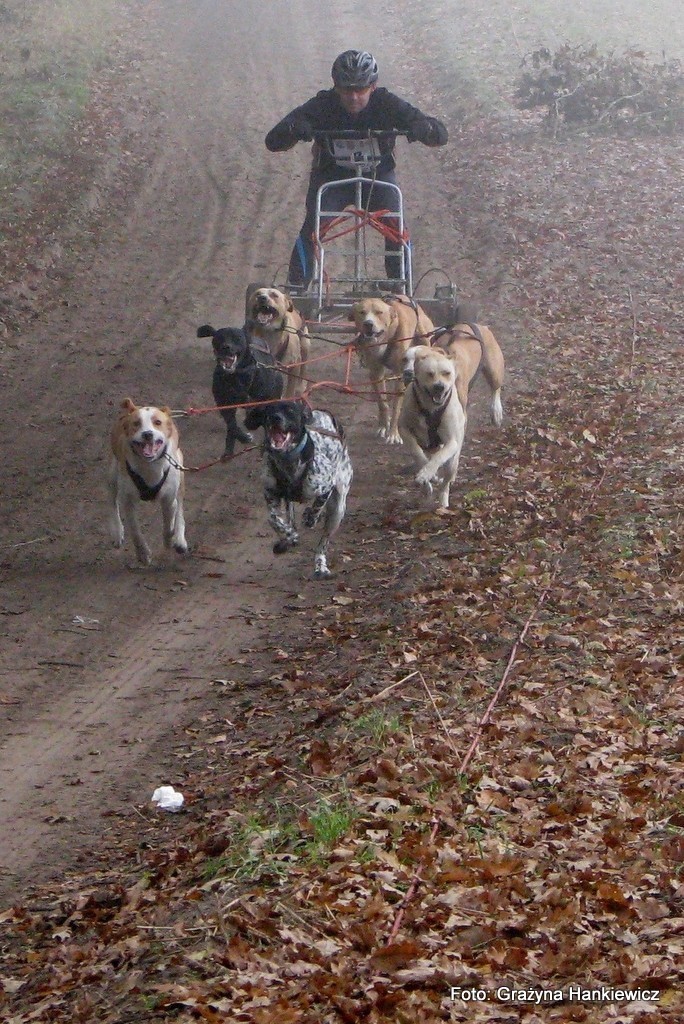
[306, 460]
[243, 373]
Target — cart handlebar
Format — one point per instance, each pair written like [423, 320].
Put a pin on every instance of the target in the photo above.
[324, 135]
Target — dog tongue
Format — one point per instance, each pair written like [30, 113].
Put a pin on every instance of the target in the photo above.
[149, 449]
[279, 438]
[264, 318]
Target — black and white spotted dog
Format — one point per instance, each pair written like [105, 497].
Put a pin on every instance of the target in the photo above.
[305, 460]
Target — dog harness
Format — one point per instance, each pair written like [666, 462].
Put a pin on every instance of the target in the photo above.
[146, 492]
[259, 345]
[433, 419]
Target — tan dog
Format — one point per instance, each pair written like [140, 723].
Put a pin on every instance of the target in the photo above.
[432, 421]
[146, 465]
[473, 348]
[271, 318]
[387, 329]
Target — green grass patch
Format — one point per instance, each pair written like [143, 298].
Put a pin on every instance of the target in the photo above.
[329, 824]
[49, 49]
[257, 852]
[263, 847]
[379, 726]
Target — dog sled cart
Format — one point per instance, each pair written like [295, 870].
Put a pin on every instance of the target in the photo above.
[349, 244]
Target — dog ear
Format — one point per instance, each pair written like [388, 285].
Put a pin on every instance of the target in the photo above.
[205, 331]
[290, 305]
[307, 411]
[165, 409]
[409, 365]
[255, 417]
[128, 405]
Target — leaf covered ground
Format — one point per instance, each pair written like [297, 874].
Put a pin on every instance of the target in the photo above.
[467, 771]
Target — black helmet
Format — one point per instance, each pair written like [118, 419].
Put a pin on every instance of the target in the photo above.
[354, 69]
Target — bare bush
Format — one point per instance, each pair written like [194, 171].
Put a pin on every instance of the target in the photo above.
[580, 86]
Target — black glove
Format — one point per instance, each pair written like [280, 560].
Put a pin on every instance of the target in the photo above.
[301, 130]
[430, 132]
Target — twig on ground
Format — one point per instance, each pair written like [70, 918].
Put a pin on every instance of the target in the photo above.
[438, 713]
[388, 689]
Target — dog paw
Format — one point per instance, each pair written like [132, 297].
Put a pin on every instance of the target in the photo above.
[181, 549]
[282, 545]
[323, 574]
[425, 485]
[394, 439]
[116, 533]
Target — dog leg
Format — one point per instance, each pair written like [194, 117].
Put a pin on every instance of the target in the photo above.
[449, 471]
[174, 524]
[130, 519]
[493, 370]
[393, 436]
[243, 436]
[334, 514]
[412, 446]
[231, 432]
[440, 476]
[234, 432]
[116, 527]
[448, 451]
[378, 384]
[285, 528]
[311, 515]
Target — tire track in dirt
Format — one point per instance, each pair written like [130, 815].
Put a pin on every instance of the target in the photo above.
[160, 664]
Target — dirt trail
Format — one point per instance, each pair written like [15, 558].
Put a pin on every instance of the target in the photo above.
[102, 667]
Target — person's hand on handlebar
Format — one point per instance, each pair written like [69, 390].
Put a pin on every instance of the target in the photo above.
[429, 131]
[301, 130]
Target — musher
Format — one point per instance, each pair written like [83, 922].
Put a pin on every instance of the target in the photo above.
[354, 103]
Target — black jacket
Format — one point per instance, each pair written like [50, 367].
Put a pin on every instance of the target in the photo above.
[384, 112]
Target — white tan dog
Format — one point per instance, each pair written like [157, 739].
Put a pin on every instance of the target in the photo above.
[473, 349]
[432, 421]
[272, 319]
[387, 330]
[146, 465]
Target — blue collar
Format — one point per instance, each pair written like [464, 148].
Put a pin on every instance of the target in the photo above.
[297, 450]
[300, 447]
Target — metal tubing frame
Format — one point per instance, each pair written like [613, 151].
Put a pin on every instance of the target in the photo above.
[359, 181]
